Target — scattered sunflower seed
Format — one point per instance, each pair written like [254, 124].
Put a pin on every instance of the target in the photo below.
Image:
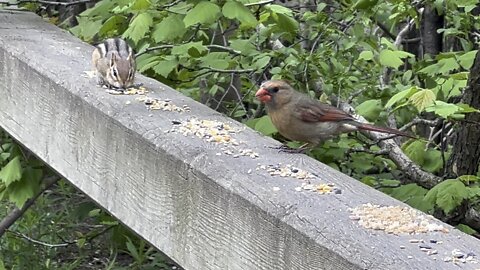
[129, 91]
[162, 104]
[460, 257]
[394, 219]
[136, 91]
[286, 171]
[414, 241]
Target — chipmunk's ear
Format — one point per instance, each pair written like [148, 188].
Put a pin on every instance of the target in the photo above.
[113, 59]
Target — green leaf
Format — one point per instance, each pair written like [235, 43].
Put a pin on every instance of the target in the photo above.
[132, 249]
[466, 60]
[215, 60]
[19, 192]
[236, 10]
[466, 229]
[447, 195]
[94, 212]
[366, 55]
[430, 69]
[265, 126]
[11, 172]
[468, 179]
[139, 27]
[448, 65]
[280, 9]
[101, 8]
[465, 108]
[141, 5]
[262, 61]
[401, 95]
[443, 109]
[244, 46]
[194, 49]
[370, 109]
[86, 28]
[433, 161]
[415, 150]
[145, 63]
[422, 99]
[473, 192]
[286, 23]
[164, 68]
[413, 195]
[364, 4]
[114, 24]
[390, 58]
[181, 8]
[204, 13]
[81, 242]
[169, 28]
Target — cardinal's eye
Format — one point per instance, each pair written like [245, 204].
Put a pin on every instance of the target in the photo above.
[275, 89]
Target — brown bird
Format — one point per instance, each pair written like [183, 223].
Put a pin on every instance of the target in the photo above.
[301, 118]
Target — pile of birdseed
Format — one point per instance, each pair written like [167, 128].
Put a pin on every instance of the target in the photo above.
[162, 104]
[394, 219]
[208, 130]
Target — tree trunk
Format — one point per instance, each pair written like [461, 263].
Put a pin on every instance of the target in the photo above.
[431, 39]
[465, 157]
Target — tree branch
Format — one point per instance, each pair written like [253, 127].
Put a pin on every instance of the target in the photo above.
[17, 213]
[260, 3]
[212, 46]
[395, 153]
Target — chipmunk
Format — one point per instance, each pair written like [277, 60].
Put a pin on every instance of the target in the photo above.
[114, 62]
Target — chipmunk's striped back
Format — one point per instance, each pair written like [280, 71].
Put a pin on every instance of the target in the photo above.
[114, 62]
[115, 45]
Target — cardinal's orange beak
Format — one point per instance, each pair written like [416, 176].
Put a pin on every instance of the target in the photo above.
[263, 95]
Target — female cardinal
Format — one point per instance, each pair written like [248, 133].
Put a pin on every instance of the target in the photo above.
[301, 118]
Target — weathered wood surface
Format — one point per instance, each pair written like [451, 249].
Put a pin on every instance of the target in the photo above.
[203, 210]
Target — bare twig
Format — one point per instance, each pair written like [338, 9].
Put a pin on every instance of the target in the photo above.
[212, 46]
[65, 242]
[17, 213]
[29, 239]
[235, 71]
[260, 3]
[171, 4]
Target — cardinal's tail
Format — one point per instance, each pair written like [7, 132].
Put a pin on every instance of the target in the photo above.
[364, 126]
